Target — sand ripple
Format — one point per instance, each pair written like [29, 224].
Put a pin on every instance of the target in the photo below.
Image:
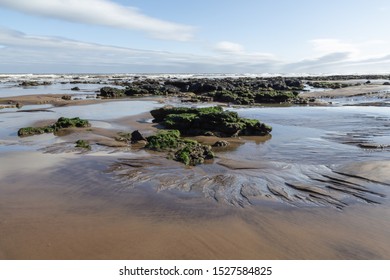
[243, 183]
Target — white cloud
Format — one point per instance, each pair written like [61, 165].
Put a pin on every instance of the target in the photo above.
[229, 47]
[234, 52]
[28, 53]
[102, 12]
[325, 46]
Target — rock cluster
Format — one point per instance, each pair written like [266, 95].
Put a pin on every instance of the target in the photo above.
[229, 90]
[53, 128]
[202, 121]
[187, 151]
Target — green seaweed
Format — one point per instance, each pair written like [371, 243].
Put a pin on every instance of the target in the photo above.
[187, 151]
[199, 121]
[53, 128]
[83, 144]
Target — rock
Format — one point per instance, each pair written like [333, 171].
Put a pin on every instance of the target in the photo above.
[110, 92]
[208, 133]
[66, 97]
[136, 136]
[75, 88]
[83, 144]
[198, 121]
[34, 84]
[29, 84]
[60, 124]
[221, 143]
[194, 154]
[187, 151]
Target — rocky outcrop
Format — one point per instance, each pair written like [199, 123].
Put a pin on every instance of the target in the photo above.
[60, 124]
[187, 151]
[198, 121]
[110, 92]
[242, 91]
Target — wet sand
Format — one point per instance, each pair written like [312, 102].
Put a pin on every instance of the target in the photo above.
[56, 100]
[349, 91]
[70, 207]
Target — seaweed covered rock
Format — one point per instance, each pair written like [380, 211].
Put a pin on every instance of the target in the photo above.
[59, 124]
[198, 121]
[83, 144]
[187, 151]
[164, 140]
[194, 153]
[111, 92]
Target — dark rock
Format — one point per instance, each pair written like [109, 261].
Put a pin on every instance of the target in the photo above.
[75, 88]
[221, 143]
[60, 124]
[194, 154]
[66, 97]
[110, 92]
[136, 136]
[83, 144]
[29, 84]
[208, 133]
[198, 121]
[187, 151]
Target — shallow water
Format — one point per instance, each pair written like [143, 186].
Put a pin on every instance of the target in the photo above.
[100, 114]
[319, 135]
[10, 89]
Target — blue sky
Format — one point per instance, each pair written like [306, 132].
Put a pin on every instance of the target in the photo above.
[171, 36]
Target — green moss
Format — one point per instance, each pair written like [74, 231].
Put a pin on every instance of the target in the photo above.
[60, 124]
[83, 144]
[179, 121]
[70, 122]
[164, 140]
[187, 151]
[160, 114]
[183, 156]
[198, 121]
[331, 85]
[29, 131]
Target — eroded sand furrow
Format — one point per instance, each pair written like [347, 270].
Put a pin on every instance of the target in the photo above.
[250, 183]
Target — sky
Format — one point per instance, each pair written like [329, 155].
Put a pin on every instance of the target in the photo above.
[202, 36]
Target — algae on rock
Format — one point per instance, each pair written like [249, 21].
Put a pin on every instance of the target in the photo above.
[60, 124]
[187, 151]
[199, 121]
